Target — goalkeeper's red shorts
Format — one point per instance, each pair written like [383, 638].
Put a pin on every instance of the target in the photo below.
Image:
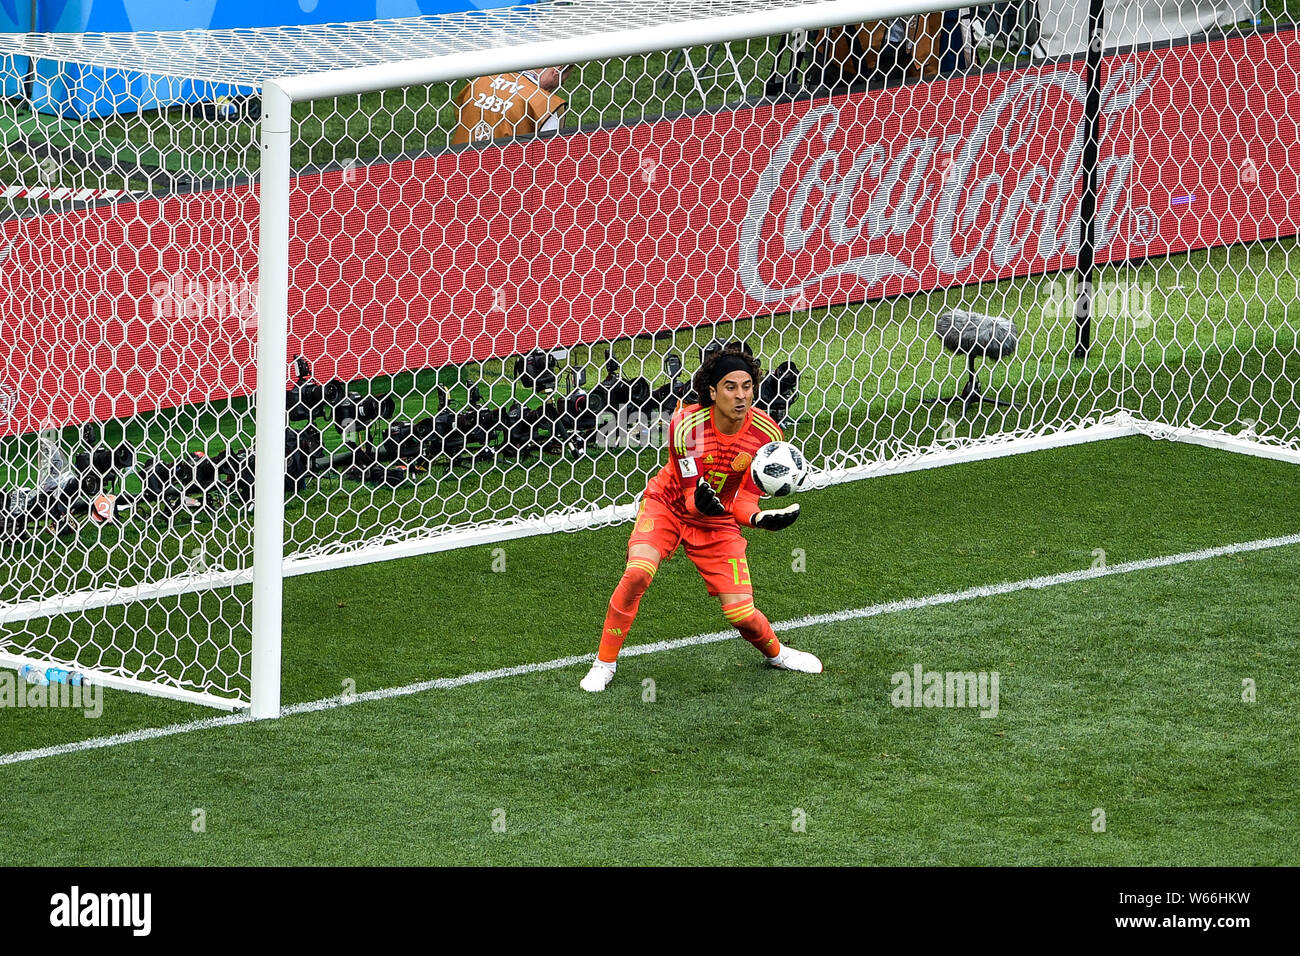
[719, 553]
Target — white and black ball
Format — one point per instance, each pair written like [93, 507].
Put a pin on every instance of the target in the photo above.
[778, 469]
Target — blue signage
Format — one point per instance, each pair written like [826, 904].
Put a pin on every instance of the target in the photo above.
[15, 17]
[73, 90]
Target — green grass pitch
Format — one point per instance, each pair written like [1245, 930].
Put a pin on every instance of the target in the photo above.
[1121, 694]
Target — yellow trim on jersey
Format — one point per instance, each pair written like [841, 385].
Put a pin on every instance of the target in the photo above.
[767, 425]
[685, 427]
[768, 433]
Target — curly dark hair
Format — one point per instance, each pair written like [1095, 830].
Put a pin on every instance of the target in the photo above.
[700, 382]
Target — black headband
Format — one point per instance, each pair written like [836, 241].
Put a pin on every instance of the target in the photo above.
[726, 365]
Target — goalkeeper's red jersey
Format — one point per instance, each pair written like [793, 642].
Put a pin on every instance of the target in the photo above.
[697, 451]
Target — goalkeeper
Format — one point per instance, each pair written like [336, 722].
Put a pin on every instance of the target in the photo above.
[701, 498]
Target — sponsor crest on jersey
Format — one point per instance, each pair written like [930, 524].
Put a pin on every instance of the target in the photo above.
[687, 465]
[741, 461]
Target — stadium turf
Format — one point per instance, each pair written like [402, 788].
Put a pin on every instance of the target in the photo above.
[1121, 695]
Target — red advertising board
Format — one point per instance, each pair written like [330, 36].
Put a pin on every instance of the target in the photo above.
[590, 236]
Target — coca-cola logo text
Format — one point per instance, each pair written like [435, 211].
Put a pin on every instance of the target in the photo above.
[1006, 189]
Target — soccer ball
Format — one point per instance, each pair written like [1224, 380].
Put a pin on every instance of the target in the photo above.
[778, 468]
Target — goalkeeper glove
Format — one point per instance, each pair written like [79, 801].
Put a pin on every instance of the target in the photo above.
[707, 501]
[776, 519]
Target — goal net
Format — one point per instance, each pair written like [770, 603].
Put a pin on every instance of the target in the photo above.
[279, 301]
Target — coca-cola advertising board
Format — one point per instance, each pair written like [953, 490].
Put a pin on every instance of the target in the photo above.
[589, 236]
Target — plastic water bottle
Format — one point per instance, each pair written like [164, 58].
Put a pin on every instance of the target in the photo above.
[53, 675]
[56, 675]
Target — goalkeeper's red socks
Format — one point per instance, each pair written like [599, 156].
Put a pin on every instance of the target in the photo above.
[753, 626]
[623, 605]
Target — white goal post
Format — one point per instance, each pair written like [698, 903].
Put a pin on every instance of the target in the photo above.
[888, 238]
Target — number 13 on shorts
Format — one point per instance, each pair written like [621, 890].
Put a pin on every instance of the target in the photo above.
[739, 570]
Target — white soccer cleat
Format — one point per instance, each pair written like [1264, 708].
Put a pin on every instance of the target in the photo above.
[599, 676]
[791, 660]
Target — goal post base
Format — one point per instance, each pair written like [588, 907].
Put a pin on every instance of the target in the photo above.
[1208, 438]
[1119, 425]
[104, 679]
[466, 538]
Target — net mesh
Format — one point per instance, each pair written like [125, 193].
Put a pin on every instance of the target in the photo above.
[491, 319]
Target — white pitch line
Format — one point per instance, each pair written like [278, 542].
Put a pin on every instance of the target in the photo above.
[812, 620]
